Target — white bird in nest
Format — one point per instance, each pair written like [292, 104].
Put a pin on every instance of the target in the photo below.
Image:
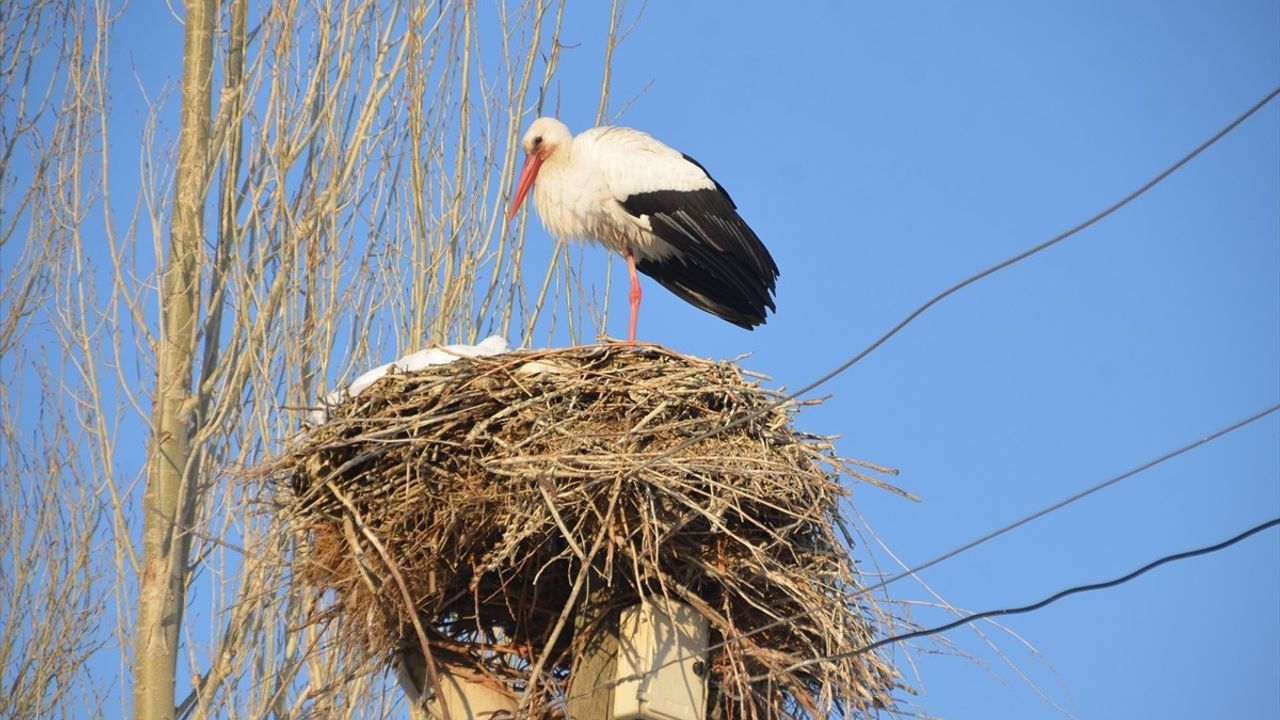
[657, 207]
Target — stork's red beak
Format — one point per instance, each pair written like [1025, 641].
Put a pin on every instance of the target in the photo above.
[528, 173]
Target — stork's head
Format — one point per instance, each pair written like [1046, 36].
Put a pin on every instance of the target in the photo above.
[543, 138]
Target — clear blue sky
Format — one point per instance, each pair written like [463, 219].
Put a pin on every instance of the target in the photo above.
[884, 151]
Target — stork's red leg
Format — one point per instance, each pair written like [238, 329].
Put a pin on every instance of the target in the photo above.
[635, 295]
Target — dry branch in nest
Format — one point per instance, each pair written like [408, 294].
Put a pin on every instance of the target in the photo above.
[476, 493]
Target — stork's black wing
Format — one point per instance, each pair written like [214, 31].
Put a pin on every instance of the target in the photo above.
[720, 265]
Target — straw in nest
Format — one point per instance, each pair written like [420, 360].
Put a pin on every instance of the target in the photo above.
[480, 498]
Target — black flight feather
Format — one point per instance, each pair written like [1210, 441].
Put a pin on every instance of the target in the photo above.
[721, 265]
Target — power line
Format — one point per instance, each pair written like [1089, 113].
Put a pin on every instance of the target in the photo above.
[1036, 605]
[748, 417]
[1044, 245]
[1072, 498]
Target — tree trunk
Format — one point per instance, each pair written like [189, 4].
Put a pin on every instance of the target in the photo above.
[169, 498]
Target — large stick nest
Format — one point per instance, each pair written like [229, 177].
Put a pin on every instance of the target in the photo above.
[476, 493]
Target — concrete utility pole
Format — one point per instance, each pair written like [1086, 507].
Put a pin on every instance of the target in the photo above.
[590, 678]
[647, 661]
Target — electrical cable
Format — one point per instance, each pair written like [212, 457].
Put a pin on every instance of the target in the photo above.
[1070, 499]
[1036, 605]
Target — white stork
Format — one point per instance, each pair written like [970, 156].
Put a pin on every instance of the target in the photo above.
[654, 205]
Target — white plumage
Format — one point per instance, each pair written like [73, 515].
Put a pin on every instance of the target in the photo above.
[654, 205]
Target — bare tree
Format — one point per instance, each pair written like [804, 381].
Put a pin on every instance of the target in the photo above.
[333, 197]
[168, 501]
[51, 607]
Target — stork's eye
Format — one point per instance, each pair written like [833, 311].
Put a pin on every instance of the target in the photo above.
[537, 141]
